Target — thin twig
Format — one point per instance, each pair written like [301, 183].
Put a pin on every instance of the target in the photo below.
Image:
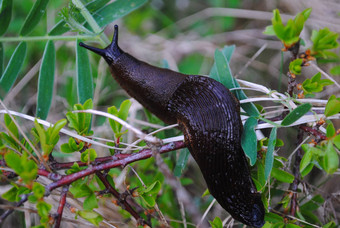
[61, 206]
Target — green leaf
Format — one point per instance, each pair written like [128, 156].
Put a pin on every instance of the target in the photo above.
[38, 190]
[335, 70]
[323, 40]
[5, 15]
[46, 81]
[54, 131]
[336, 141]
[43, 209]
[330, 162]
[90, 202]
[315, 84]
[181, 162]
[11, 194]
[79, 191]
[205, 193]
[26, 169]
[2, 57]
[34, 16]
[332, 106]
[249, 140]
[12, 127]
[150, 193]
[282, 176]
[12, 70]
[88, 155]
[91, 216]
[270, 153]
[116, 10]
[269, 31]
[84, 75]
[313, 204]
[13, 161]
[330, 130]
[217, 223]
[306, 159]
[295, 66]
[296, 114]
[61, 27]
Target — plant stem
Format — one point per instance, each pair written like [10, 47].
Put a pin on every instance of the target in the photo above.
[43, 38]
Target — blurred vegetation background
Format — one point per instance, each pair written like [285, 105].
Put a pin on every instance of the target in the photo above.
[181, 35]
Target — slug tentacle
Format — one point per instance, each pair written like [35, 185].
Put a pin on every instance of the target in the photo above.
[111, 52]
[209, 116]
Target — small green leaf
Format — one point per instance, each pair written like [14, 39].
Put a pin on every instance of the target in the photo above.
[282, 176]
[205, 193]
[332, 106]
[14, 162]
[91, 216]
[11, 126]
[79, 191]
[249, 140]
[330, 162]
[270, 153]
[5, 15]
[34, 16]
[217, 223]
[90, 202]
[12, 70]
[323, 40]
[306, 159]
[88, 155]
[296, 114]
[46, 81]
[295, 66]
[38, 190]
[336, 141]
[330, 130]
[150, 193]
[43, 209]
[269, 31]
[11, 194]
[84, 75]
[335, 70]
[315, 84]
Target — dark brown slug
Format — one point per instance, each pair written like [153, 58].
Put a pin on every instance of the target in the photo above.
[209, 116]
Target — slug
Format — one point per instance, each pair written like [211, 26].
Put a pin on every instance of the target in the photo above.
[209, 116]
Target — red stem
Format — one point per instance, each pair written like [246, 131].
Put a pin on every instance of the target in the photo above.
[61, 206]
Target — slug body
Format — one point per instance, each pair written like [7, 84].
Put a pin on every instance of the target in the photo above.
[208, 115]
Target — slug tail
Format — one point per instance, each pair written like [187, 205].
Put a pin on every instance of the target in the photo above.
[111, 52]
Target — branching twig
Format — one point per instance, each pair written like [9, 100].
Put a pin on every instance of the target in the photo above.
[23, 199]
[61, 206]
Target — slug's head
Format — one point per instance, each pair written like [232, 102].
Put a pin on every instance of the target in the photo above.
[255, 212]
[111, 52]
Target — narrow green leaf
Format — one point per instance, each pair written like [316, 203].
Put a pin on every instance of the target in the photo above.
[270, 153]
[181, 162]
[296, 114]
[34, 16]
[116, 10]
[223, 70]
[330, 130]
[336, 141]
[249, 140]
[12, 70]
[2, 57]
[84, 75]
[5, 15]
[46, 81]
[307, 157]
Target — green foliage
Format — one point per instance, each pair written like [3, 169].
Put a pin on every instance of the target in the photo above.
[88, 155]
[27, 169]
[149, 194]
[46, 81]
[43, 211]
[82, 189]
[323, 40]
[91, 216]
[14, 194]
[295, 66]
[38, 193]
[48, 138]
[335, 70]
[315, 84]
[332, 106]
[5, 15]
[270, 152]
[289, 34]
[216, 223]
[71, 146]
[249, 141]
[296, 114]
[122, 113]
[79, 121]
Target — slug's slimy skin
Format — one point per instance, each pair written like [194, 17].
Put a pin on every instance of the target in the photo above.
[208, 115]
